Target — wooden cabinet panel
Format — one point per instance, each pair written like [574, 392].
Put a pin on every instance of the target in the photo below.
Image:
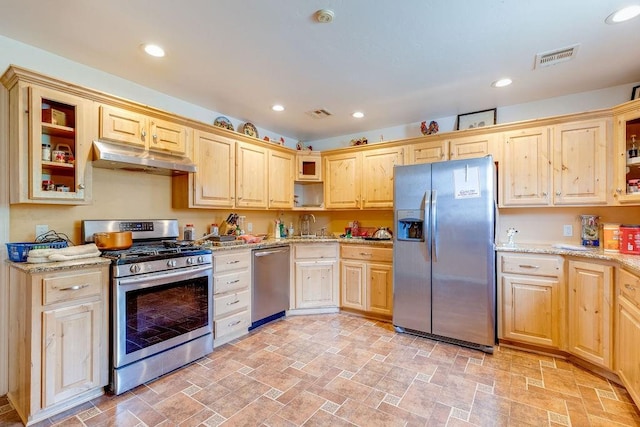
[377, 176]
[72, 351]
[214, 183]
[580, 163]
[251, 171]
[315, 284]
[531, 310]
[342, 181]
[120, 125]
[427, 152]
[526, 168]
[380, 288]
[627, 354]
[468, 147]
[72, 286]
[281, 171]
[139, 130]
[353, 285]
[231, 295]
[590, 311]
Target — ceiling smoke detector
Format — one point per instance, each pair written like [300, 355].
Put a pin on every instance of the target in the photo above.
[554, 57]
[324, 16]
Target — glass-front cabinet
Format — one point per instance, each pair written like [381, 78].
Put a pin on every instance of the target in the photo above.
[627, 137]
[50, 145]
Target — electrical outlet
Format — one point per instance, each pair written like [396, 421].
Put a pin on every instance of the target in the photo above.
[41, 229]
[567, 230]
[249, 227]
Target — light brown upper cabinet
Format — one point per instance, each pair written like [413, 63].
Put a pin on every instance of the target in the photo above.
[214, 185]
[152, 133]
[564, 164]
[361, 180]
[627, 152]
[526, 168]
[580, 162]
[281, 172]
[251, 175]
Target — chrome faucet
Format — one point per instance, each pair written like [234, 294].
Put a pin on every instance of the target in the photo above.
[305, 225]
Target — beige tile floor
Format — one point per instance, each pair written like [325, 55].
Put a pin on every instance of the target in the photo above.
[343, 370]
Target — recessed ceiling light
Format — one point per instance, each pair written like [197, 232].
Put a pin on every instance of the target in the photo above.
[154, 50]
[623, 14]
[502, 82]
[358, 114]
[277, 107]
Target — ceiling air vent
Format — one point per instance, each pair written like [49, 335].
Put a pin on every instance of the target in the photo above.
[320, 113]
[554, 57]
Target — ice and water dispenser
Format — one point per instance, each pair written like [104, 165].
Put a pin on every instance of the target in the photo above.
[410, 225]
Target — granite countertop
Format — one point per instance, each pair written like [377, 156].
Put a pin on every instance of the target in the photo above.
[285, 241]
[59, 265]
[624, 260]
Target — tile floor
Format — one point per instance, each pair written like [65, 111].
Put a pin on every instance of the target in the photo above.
[343, 370]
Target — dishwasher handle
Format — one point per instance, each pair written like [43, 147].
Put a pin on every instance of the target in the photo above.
[266, 253]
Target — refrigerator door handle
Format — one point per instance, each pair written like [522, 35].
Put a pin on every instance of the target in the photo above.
[434, 226]
[426, 223]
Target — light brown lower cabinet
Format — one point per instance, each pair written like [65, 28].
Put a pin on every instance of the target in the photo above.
[531, 299]
[58, 340]
[590, 299]
[628, 332]
[367, 278]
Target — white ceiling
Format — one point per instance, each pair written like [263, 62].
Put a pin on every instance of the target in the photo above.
[397, 61]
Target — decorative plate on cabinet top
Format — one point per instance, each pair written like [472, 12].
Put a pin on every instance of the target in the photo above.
[223, 122]
[250, 129]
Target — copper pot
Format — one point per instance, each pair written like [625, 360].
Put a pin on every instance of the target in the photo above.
[113, 240]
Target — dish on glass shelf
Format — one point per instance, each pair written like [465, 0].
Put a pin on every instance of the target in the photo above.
[250, 129]
[223, 122]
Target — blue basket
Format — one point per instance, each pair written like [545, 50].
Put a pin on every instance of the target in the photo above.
[18, 252]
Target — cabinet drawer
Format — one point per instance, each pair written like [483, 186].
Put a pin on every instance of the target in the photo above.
[231, 261]
[231, 281]
[315, 250]
[234, 323]
[531, 265]
[629, 286]
[230, 302]
[69, 286]
[366, 253]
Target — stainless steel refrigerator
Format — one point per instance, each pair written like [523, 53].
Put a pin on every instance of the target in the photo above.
[443, 253]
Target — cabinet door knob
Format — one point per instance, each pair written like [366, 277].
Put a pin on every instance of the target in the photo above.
[544, 194]
[558, 193]
[619, 190]
[80, 186]
[144, 133]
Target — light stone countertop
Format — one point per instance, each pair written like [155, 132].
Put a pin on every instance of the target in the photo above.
[46, 267]
[631, 262]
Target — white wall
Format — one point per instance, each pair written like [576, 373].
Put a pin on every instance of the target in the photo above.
[576, 103]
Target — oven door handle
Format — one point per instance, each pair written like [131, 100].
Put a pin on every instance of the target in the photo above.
[162, 276]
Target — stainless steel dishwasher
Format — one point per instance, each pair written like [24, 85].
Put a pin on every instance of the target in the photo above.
[270, 293]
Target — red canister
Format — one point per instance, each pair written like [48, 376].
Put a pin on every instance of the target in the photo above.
[630, 239]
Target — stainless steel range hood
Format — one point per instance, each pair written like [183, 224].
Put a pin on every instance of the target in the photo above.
[113, 156]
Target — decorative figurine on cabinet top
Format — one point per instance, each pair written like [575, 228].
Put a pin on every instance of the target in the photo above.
[432, 129]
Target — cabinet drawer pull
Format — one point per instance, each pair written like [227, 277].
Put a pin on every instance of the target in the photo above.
[365, 254]
[74, 288]
[233, 281]
[234, 323]
[629, 287]
[233, 262]
[234, 302]
[528, 266]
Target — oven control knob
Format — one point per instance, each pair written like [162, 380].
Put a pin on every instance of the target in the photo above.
[135, 268]
[172, 263]
[189, 261]
[200, 259]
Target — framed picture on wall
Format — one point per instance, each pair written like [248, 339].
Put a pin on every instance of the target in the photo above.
[635, 93]
[476, 119]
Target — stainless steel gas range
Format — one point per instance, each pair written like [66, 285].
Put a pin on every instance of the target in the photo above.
[161, 311]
